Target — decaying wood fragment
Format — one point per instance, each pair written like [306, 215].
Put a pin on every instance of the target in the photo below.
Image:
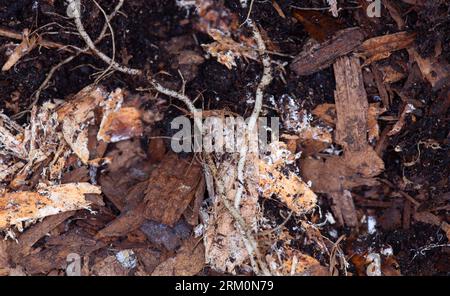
[360, 163]
[35, 233]
[296, 264]
[408, 108]
[12, 138]
[18, 207]
[324, 55]
[327, 113]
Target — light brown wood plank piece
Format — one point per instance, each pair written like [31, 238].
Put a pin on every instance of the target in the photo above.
[359, 163]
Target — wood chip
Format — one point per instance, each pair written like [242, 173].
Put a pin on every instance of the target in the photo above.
[35, 233]
[75, 117]
[171, 188]
[18, 207]
[119, 123]
[289, 188]
[435, 70]
[324, 55]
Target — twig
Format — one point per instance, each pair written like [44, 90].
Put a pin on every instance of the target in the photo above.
[278, 227]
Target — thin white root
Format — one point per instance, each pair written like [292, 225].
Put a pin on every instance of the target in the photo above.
[55, 68]
[265, 81]
[76, 15]
[113, 43]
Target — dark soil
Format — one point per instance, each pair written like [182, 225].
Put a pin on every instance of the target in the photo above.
[147, 26]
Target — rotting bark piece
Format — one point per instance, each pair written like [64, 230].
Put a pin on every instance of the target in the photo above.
[327, 113]
[127, 221]
[192, 212]
[149, 258]
[4, 259]
[55, 258]
[18, 207]
[132, 213]
[171, 188]
[351, 105]
[311, 61]
[397, 128]
[344, 208]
